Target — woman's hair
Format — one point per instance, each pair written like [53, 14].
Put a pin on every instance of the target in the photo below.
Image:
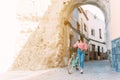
[78, 40]
[81, 38]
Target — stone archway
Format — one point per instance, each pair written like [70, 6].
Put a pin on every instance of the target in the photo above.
[47, 46]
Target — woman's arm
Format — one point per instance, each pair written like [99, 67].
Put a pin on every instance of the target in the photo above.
[75, 45]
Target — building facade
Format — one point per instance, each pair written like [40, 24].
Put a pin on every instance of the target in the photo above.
[93, 29]
[97, 43]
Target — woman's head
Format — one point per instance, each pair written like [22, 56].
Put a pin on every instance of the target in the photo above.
[81, 38]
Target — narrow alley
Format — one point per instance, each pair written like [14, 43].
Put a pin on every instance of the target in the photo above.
[94, 70]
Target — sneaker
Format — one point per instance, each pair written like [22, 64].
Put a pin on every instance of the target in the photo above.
[77, 68]
[81, 72]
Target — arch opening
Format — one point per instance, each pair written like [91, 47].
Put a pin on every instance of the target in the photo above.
[105, 10]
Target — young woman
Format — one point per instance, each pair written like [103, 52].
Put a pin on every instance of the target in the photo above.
[81, 48]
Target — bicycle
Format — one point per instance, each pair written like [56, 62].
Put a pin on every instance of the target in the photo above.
[73, 63]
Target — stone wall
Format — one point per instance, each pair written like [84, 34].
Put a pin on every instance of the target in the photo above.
[46, 46]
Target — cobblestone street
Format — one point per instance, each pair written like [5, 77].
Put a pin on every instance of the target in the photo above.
[94, 70]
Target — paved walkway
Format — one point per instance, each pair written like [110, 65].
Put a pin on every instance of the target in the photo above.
[94, 70]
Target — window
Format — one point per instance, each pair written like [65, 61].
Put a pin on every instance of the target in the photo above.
[102, 49]
[100, 34]
[95, 16]
[93, 32]
[85, 28]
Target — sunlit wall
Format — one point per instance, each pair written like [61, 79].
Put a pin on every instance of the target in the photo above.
[115, 21]
[10, 29]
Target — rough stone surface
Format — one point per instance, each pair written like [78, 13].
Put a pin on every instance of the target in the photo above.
[46, 47]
